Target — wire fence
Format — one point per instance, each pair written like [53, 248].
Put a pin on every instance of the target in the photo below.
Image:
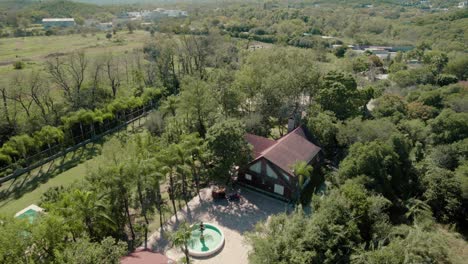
[72, 143]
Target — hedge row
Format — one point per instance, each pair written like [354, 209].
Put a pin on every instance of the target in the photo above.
[79, 124]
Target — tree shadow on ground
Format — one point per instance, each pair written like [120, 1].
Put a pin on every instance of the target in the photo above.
[30, 181]
[242, 216]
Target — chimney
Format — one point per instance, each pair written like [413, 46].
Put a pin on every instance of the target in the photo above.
[291, 124]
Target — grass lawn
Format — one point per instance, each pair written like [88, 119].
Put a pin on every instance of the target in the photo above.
[28, 188]
[37, 48]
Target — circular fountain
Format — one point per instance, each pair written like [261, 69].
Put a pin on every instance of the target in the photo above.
[206, 240]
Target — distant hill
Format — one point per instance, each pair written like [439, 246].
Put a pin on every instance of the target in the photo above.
[119, 2]
[64, 8]
[15, 4]
[35, 10]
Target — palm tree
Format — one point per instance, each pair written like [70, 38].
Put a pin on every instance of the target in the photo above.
[193, 144]
[303, 171]
[92, 210]
[182, 168]
[169, 106]
[143, 193]
[168, 169]
[417, 210]
[158, 176]
[181, 237]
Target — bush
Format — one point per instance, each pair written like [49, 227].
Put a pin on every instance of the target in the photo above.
[18, 65]
[397, 66]
[446, 79]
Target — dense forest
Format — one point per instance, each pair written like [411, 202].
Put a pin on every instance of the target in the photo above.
[393, 129]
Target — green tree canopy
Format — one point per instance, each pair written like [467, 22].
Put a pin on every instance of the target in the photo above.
[339, 94]
[227, 145]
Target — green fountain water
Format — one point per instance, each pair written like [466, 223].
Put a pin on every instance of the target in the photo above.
[206, 240]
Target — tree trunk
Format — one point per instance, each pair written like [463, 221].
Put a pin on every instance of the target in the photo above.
[143, 212]
[197, 182]
[184, 186]
[172, 195]
[187, 258]
[160, 214]
[130, 225]
[82, 133]
[89, 225]
[5, 107]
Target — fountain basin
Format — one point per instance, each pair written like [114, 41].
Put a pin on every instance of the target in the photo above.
[211, 243]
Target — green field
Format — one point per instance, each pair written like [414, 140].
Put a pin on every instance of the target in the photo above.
[34, 50]
[28, 188]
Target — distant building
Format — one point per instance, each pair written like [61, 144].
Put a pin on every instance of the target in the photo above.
[154, 14]
[256, 46]
[463, 4]
[58, 22]
[161, 12]
[104, 26]
[176, 13]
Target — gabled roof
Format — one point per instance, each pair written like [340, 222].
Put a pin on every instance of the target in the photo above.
[259, 144]
[286, 151]
[58, 20]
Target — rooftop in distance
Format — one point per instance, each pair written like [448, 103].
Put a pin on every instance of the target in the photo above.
[58, 19]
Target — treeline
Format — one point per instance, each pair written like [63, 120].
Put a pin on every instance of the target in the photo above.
[97, 94]
[401, 170]
[402, 174]
[381, 25]
[75, 127]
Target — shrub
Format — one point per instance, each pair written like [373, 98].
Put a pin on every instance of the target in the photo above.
[446, 79]
[18, 65]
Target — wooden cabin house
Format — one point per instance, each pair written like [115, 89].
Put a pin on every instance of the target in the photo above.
[271, 170]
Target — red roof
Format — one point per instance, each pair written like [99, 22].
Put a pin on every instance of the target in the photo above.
[259, 143]
[286, 151]
[142, 256]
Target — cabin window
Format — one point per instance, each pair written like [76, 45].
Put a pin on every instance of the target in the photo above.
[248, 177]
[279, 189]
[286, 176]
[257, 167]
[271, 173]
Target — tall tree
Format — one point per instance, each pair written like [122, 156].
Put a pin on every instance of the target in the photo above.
[227, 146]
[69, 74]
[181, 238]
[339, 94]
[113, 73]
[197, 104]
[303, 171]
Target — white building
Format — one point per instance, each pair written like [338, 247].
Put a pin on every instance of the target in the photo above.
[104, 26]
[154, 14]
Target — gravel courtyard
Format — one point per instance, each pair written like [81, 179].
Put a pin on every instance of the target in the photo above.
[234, 219]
